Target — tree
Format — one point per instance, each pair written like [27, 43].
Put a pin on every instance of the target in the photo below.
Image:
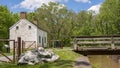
[54, 18]
[6, 20]
[108, 19]
[84, 24]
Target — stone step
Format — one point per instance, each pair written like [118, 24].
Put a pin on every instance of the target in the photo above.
[82, 62]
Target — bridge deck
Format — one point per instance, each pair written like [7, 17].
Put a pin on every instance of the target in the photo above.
[98, 51]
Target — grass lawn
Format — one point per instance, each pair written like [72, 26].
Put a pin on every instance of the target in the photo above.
[67, 58]
[7, 54]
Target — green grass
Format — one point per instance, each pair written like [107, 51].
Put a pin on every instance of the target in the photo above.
[67, 58]
[7, 54]
[95, 66]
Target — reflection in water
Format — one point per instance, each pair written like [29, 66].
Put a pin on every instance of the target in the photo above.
[104, 61]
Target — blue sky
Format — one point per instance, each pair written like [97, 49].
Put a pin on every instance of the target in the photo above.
[31, 5]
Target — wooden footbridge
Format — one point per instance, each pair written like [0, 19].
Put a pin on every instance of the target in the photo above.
[97, 45]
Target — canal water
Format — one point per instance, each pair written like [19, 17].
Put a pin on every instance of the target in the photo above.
[104, 61]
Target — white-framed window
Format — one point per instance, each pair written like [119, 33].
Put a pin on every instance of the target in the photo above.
[45, 39]
[17, 27]
[39, 39]
[29, 27]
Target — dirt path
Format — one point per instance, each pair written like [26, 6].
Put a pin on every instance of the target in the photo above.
[82, 62]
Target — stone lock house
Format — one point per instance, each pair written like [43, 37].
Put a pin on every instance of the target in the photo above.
[28, 32]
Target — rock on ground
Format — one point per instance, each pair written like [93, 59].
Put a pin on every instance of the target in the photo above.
[37, 55]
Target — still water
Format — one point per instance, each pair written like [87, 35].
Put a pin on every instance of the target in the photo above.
[104, 61]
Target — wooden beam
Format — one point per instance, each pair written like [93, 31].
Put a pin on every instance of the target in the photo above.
[104, 36]
[13, 51]
[93, 39]
[94, 42]
[99, 52]
[19, 47]
[5, 56]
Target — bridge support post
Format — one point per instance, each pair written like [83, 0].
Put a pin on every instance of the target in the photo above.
[112, 43]
[112, 46]
[75, 45]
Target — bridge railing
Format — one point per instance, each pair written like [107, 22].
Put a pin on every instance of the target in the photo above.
[79, 41]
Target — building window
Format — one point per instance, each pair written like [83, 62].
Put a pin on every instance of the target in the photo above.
[39, 39]
[29, 27]
[17, 27]
[45, 39]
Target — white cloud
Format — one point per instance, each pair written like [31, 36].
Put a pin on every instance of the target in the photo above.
[95, 8]
[34, 4]
[84, 1]
[31, 4]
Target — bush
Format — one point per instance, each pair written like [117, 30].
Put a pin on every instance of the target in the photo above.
[3, 48]
[66, 42]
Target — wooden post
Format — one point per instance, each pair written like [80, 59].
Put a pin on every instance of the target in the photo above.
[61, 44]
[75, 44]
[14, 51]
[22, 46]
[19, 47]
[112, 43]
[35, 44]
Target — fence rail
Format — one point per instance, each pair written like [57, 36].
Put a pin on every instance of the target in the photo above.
[18, 46]
[91, 40]
[8, 40]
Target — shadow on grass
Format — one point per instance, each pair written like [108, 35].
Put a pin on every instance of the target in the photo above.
[65, 64]
[56, 64]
